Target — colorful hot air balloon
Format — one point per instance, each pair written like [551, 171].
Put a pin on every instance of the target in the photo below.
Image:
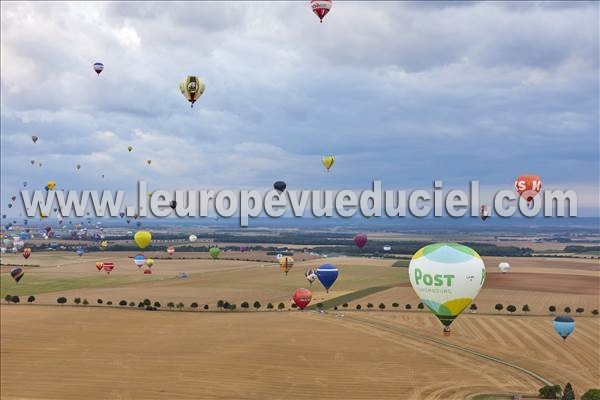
[108, 267]
[286, 263]
[279, 186]
[170, 251]
[320, 8]
[98, 67]
[17, 273]
[142, 239]
[193, 238]
[310, 276]
[528, 186]
[149, 262]
[564, 326]
[327, 274]
[504, 267]
[302, 297]
[51, 185]
[214, 252]
[360, 240]
[34, 138]
[446, 277]
[328, 161]
[99, 265]
[129, 148]
[192, 88]
[147, 271]
[26, 252]
[139, 260]
[103, 245]
[484, 212]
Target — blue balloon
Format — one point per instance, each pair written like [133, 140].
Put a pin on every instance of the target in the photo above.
[23, 236]
[79, 251]
[564, 326]
[327, 274]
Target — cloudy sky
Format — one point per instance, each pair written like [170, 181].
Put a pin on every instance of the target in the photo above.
[399, 91]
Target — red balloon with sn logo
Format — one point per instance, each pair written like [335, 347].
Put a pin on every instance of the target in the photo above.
[302, 297]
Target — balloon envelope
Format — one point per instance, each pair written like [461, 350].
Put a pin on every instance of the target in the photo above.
[214, 252]
[142, 239]
[302, 297]
[26, 252]
[360, 240]
[192, 88]
[99, 265]
[504, 267]
[446, 277]
[279, 186]
[17, 273]
[321, 7]
[170, 250]
[108, 267]
[564, 326]
[139, 260]
[528, 186]
[327, 274]
[286, 263]
[328, 161]
[193, 238]
[98, 67]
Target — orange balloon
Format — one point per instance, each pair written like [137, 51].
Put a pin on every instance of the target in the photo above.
[528, 186]
[99, 265]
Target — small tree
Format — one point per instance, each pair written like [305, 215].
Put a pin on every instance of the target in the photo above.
[257, 304]
[525, 308]
[592, 394]
[194, 305]
[123, 303]
[131, 304]
[358, 306]
[99, 301]
[294, 305]
[109, 303]
[147, 302]
[579, 310]
[180, 305]
[552, 309]
[499, 307]
[15, 299]
[270, 306]
[381, 306]
[595, 312]
[320, 306]
[31, 299]
[157, 304]
[205, 307]
[550, 392]
[245, 304]
[511, 308]
[77, 300]
[170, 304]
[395, 305]
[61, 300]
[220, 304]
[335, 308]
[421, 306]
[226, 305]
[8, 298]
[232, 307]
[345, 305]
[141, 305]
[369, 305]
[567, 310]
[408, 307]
[473, 307]
[568, 393]
[85, 302]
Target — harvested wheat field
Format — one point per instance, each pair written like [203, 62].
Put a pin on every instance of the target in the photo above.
[100, 353]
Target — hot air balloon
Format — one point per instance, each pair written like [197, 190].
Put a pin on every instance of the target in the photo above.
[528, 186]
[10, 206]
[193, 238]
[139, 260]
[147, 271]
[320, 8]
[51, 185]
[142, 239]
[13, 198]
[98, 67]
[149, 262]
[48, 228]
[360, 240]
[214, 252]
[148, 162]
[173, 204]
[17, 273]
[310, 276]
[25, 184]
[34, 138]
[564, 326]
[121, 214]
[328, 161]
[327, 274]
[78, 167]
[279, 256]
[99, 265]
[286, 263]
[32, 162]
[446, 277]
[129, 148]
[484, 212]
[26, 252]
[170, 251]
[79, 251]
[192, 88]
[302, 297]
[103, 245]
[108, 267]
[504, 267]
[279, 186]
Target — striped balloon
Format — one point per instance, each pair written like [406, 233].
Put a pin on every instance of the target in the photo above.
[17, 273]
[108, 267]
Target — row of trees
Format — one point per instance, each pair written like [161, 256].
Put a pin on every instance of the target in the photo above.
[557, 392]
[16, 299]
